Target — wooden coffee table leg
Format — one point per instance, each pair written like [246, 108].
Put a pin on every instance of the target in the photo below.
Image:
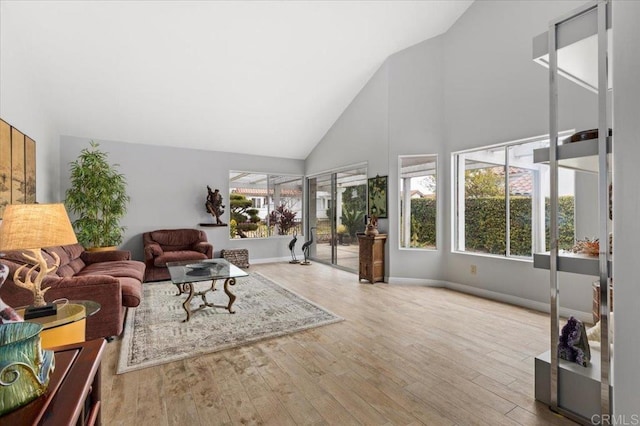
[187, 303]
[232, 297]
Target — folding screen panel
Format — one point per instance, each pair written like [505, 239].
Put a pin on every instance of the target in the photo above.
[17, 167]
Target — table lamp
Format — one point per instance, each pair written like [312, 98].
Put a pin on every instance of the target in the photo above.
[30, 227]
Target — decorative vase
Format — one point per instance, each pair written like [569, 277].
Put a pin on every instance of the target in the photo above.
[24, 367]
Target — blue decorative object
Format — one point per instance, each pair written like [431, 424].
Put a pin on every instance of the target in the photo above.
[24, 366]
[573, 344]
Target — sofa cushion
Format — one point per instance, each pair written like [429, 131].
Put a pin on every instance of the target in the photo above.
[105, 256]
[60, 251]
[118, 269]
[173, 239]
[131, 291]
[18, 257]
[71, 268]
[178, 256]
[74, 250]
[70, 261]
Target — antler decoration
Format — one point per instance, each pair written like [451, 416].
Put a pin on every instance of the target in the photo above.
[35, 285]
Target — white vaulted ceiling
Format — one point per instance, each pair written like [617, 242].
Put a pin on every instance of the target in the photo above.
[259, 77]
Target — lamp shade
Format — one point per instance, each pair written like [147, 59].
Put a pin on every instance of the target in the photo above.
[33, 226]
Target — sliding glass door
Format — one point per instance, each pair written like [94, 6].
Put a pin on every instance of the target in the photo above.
[337, 208]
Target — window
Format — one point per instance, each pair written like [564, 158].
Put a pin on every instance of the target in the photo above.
[501, 201]
[264, 205]
[257, 202]
[418, 206]
[337, 205]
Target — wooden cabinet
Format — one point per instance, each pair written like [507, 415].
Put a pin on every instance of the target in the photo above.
[73, 395]
[372, 257]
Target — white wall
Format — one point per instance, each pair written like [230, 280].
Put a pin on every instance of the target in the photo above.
[626, 206]
[168, 189]
[416, 126]
[20, 107]
[359, 134]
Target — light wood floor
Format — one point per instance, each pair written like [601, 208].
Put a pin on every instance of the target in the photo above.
[406, 355]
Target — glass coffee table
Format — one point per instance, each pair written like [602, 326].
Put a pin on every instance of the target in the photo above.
[185, 274]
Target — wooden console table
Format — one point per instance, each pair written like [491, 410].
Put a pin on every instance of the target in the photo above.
[73, 395]
[371, 257]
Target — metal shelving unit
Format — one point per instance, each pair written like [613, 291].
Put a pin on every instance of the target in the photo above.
[571, 390]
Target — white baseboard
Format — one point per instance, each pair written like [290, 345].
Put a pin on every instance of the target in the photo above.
[493, 295]
[269, 260]
[518, 301]
[414, 281]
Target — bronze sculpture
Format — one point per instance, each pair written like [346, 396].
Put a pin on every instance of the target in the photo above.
[292, 246]
[305, 248]
[214, 204]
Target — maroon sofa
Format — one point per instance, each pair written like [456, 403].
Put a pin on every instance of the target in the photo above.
[172, 245]
[110, 278]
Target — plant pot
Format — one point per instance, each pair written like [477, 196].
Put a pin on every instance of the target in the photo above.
[108, 248]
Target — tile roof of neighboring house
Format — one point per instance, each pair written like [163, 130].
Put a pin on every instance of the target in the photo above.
[520, 181]
[521, 184]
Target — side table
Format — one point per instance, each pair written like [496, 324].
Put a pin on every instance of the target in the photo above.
[371, 260]
[73, 395]
[67, 325]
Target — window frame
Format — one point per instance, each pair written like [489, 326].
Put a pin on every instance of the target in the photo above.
[402, 219]
[267, 201]
[538, 240]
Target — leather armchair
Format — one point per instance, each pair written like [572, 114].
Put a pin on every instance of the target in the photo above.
[172, 245]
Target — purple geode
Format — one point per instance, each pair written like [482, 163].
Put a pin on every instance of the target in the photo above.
[573, 344]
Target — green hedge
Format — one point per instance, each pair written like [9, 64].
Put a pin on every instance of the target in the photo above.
[485, 224]
[423, 222]
[566, 235]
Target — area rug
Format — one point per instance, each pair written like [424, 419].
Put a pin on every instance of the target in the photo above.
[154, 333]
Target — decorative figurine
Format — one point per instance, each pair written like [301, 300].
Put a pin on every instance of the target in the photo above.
[573, 344]
[372, 226]
[305, 248]
[214, 204]
[292, 246]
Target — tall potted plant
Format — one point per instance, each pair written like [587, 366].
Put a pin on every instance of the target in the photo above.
[98, 198]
